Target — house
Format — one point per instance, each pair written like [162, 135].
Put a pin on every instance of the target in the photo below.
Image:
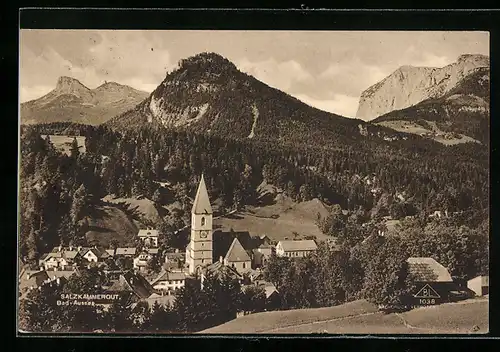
[60, 258]
[219, 270]
[32, 279]
[262, 253]
[141, 261]
[168, 282]
[148, 237]
[295, 249]
[433, 281]
[479, 285]
[237, 257]
[133, 283]
[273, 298]
[174, 261]
[95, 255]
[126, 252]
[111, 252]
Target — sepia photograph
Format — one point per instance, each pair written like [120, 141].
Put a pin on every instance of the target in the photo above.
[219, 182]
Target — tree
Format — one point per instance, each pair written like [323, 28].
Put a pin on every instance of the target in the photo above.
[157, 198]
[74, 151]
[386, 278]
[253, 299]
[119, 315]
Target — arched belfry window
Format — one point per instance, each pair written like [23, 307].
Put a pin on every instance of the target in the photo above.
[202, 221]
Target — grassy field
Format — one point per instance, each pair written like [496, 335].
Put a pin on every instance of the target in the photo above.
[107, 223]
[144, 207]
[262, 322]
[361, 317]
[63, 143]
[279, 220]
[415, 128]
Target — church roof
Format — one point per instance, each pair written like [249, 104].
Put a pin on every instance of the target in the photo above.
[237, 253]
[201, 203]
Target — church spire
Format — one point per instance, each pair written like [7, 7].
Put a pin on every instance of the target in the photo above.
[201, 203]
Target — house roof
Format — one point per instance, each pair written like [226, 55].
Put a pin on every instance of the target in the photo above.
[237, 253]
[36, 279]
[131, 282]
[201, 204]
[152, 250]
[99, 253]
[269, 288]
[124, 251]
[111, 252]
[302, 245]
[60, 273]
[169, 275]
[425, 269]
[219, 268]
[148, 233]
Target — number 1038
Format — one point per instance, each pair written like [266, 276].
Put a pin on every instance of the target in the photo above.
[427, 301]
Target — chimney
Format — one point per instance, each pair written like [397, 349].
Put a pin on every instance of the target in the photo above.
[221, 260]
[60, 248]
[79, 248]
[28, 275]
[70, 248]
[176, 250]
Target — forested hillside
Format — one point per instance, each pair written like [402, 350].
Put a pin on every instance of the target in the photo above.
[57, 190]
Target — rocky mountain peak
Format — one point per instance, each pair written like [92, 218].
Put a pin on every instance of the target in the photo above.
[69, 85]
[410, 85]
[480, 60]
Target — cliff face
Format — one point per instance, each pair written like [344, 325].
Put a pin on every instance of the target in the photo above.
[410, 85]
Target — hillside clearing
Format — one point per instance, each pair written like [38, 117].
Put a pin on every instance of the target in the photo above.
[63, 143]
[144, 207]
[435, 133]
[361, 317]
[107, 223]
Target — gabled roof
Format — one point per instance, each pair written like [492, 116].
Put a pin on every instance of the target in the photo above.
[169, 275]
[425, 269]
[237, 253]
[124, 251]
[303, 245]
[37, 278]
[60, 273]
[99, 253]
[218, 268]
[148, 233]
[201, 204]
[111, 252]
[135, 283]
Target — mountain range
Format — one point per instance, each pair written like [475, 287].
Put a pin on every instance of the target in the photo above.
[208, 94]
[71, 101]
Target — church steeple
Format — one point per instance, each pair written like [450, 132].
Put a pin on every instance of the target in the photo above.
[201, 203]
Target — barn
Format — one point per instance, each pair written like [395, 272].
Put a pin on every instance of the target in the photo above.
[433, 281]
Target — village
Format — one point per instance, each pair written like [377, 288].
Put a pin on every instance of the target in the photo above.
[148, 275]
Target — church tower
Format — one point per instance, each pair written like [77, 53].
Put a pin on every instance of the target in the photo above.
[199, 250]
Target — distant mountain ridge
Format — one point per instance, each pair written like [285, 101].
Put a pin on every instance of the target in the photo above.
[409, 85]
[208, 94]
[462, 114]
[71, 101]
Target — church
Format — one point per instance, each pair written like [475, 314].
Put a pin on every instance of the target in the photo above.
[200, 251]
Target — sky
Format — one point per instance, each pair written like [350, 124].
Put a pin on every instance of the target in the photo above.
[325, 69]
